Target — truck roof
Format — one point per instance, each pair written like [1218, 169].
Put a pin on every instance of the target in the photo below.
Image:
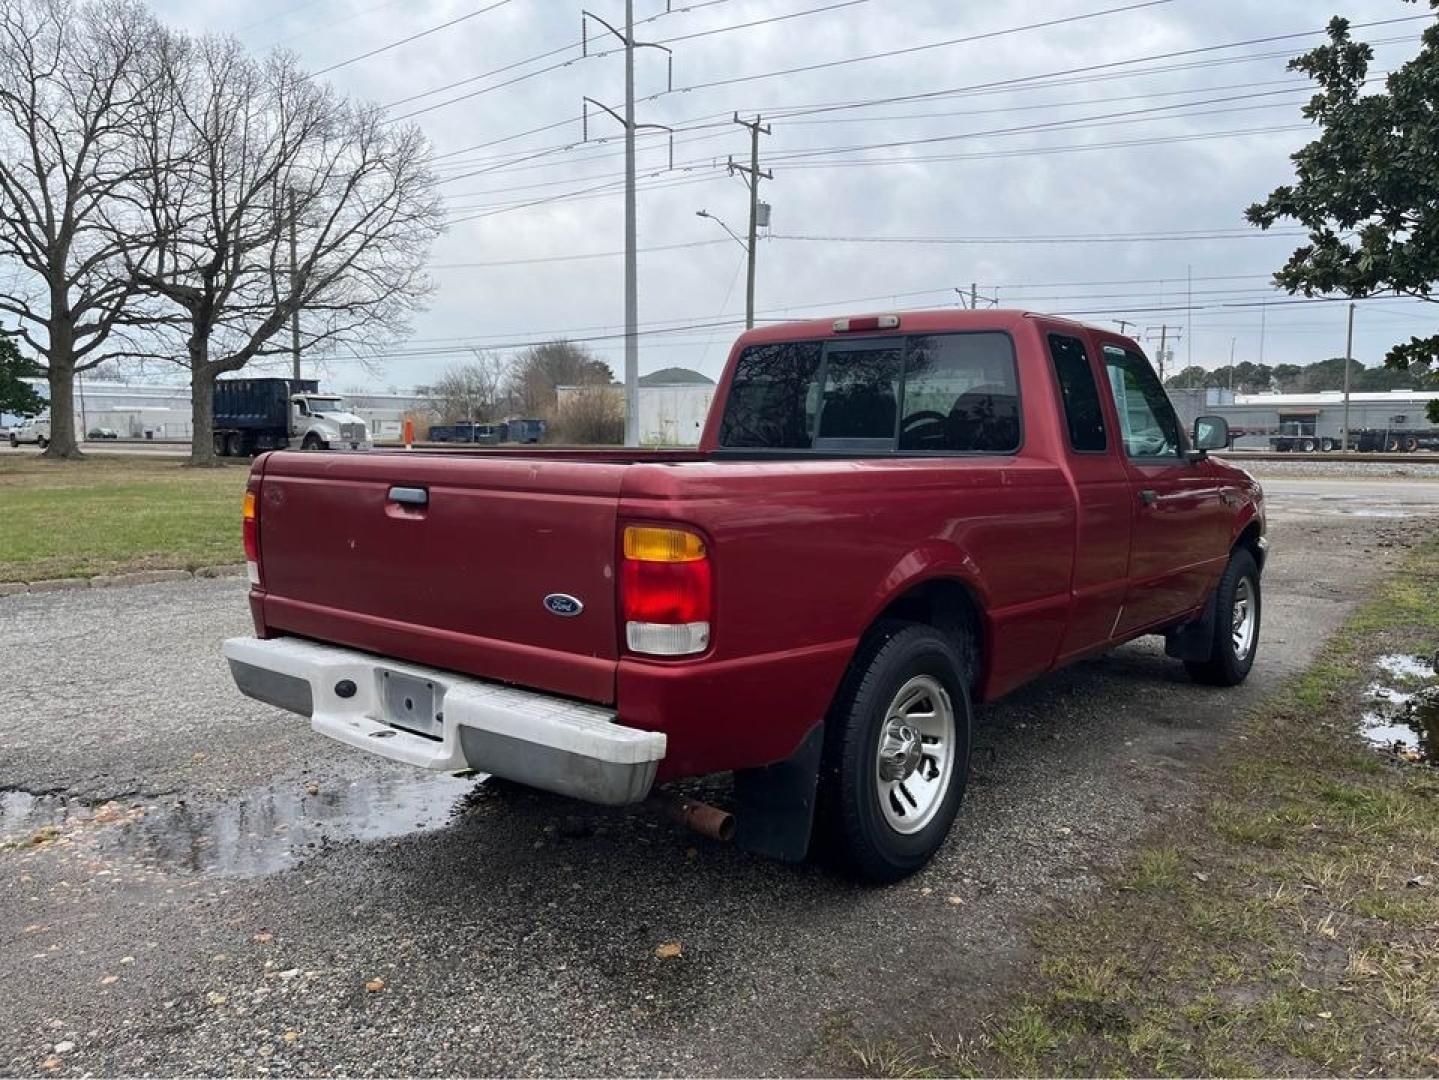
[932, 321]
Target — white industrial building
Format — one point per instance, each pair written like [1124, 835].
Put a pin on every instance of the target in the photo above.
[673, 405]
[1320, 414]
[144, 410]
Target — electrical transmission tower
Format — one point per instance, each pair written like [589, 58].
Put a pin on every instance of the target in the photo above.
[627, 121]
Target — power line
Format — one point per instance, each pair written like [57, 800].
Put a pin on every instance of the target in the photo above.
[910, 50]
[578, 256]
[1074, 238]
[413, 37]
[683, 37]
[686, 10]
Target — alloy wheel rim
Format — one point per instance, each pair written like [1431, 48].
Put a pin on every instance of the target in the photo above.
[914, 756]
[1242, 619]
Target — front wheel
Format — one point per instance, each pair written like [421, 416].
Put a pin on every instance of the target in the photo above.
[1237, 609]
[42, 442]
[312, 442]
[896, 753]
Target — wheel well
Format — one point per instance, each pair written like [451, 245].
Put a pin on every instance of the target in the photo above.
[1249, 539]
[949, 607]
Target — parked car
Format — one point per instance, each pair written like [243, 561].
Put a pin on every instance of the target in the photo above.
[889, 520]
[34, 430]
[102, 433]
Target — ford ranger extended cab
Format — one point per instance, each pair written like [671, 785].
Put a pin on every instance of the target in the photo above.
[889, 520]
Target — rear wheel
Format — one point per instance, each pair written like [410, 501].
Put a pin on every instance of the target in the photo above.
[896, 752]
[219, 443]
[233, 446]
[14, 442]
[1307, 446]
[1326, 445]
[1237, 609]
[42, 442]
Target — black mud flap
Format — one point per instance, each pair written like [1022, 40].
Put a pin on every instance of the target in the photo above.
[774, 808]
[1194, 640]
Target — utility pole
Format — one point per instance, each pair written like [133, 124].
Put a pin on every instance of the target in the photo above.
[1348, 362]
[1124, 325]
[294, 292]
[973, 295]
[753, 175]
[1232, 342]
[627, 121]
[1164, 332]
[1263, 311]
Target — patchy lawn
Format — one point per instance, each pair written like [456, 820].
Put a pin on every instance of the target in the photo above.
[112, 514]
[1290, 926]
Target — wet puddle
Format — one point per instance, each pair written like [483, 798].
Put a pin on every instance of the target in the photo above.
[259, 832]
[1404, 719]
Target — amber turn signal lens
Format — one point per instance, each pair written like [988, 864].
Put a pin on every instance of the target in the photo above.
[662, 545]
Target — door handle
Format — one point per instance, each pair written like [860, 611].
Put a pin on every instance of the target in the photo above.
[1148, 497]
[410, 496]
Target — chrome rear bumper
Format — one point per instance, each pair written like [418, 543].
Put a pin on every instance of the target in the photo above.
[547, 742]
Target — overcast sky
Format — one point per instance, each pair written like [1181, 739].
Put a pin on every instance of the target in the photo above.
[503, 277]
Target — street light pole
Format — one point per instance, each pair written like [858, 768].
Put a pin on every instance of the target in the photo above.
[1348, 363]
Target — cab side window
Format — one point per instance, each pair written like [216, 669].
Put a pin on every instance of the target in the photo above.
[1147, 422]
[1079, 393]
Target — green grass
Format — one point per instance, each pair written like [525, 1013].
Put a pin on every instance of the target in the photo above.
[114, 514]
[1294, 929]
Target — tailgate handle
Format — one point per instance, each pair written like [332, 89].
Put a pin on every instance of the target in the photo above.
[410, 496]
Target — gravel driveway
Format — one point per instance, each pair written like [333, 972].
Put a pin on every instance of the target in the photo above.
[215, 890]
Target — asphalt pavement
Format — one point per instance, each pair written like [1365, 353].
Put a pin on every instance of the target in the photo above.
[193, 883]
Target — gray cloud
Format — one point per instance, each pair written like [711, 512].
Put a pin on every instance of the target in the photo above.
[1156, 186]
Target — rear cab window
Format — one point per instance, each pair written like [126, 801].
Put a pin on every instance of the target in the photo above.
[1079, 394]
[914, 394]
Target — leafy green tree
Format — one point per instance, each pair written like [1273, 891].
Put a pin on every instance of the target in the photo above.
[1367, 188]
[17, 396]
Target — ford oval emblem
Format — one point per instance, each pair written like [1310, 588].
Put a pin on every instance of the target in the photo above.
[558, 603]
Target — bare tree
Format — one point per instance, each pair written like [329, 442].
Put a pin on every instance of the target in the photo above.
[540, 369]
[76, 79]
[471, 392]
[287, 199]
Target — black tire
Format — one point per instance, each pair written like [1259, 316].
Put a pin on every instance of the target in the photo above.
[850, 824]
[312, 442]
[14, 442]
[233, 446]
[1327, 445]
[220, 444]
[42, 442]
[1308, 446]
[1225, 666]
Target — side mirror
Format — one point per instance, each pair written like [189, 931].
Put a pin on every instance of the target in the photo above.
[1211, 433]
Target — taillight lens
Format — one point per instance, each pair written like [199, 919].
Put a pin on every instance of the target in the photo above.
[665, 591]
[251, 530]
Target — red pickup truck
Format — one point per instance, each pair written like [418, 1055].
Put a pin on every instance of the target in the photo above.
[889, 520]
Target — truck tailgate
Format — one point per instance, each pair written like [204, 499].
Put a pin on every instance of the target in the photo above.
[457, 582]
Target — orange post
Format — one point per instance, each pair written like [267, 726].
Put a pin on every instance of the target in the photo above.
[409, 433]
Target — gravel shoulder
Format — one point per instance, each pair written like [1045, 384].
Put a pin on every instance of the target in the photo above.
[507, 932]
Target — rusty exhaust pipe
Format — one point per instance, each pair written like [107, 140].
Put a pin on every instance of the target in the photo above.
[697, 816]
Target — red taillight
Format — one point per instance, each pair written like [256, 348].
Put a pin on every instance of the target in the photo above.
[251, 533]
[665, 591]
